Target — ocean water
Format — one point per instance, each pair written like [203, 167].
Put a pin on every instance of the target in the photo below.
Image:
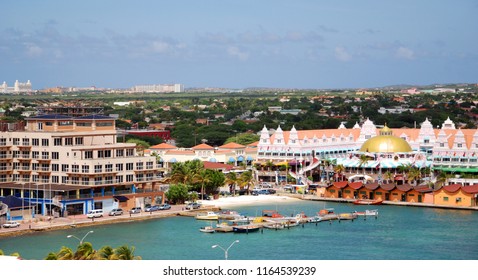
[399, 233]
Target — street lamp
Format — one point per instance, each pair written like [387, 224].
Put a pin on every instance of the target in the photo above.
[81, 240]
[225, 250]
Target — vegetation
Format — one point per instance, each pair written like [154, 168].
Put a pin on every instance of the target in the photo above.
[85, 251]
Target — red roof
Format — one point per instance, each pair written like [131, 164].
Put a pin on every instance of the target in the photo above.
[163, 146]
[371, 186]
[470, 189]
[202, 147]
[452, 188]
[388, 187]
[232, 145]
[404, 187]
[217, 165]
[341, 184]
[356, 185]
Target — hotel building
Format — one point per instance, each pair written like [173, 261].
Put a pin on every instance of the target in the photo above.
[69, 165]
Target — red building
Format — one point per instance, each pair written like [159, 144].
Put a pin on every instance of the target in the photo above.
[163, 134]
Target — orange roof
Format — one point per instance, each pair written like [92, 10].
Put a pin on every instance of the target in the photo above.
[180, 152]
[255, 144]
[232, 145]
[163, 146]
[202, 147]
[217, 165]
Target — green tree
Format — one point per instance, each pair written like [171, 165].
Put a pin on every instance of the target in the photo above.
[125, 253]
[177, 193]
[141, 145]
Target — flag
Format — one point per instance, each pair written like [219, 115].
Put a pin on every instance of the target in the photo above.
[378, 166]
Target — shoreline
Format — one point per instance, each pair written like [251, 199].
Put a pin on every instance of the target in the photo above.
[31, 227]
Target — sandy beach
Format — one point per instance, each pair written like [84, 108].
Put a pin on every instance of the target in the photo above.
[247, 200]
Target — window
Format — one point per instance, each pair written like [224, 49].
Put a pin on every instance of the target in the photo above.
[119, 167]
[64, 167]
[55, 167]
[65, 123]
[104, 124]
[85, 169]
[101, 154]
[88, 154]
[16, 141]
[445, 198]
[98, 168]
[129, 178]
[56, 141]
[75, 168]
[26, 142]
[442, 145]
[130, 152]
[119, 179]
[459, 145]
[45, 142]
[83, 124]
[129, 166]
[16, 154]
[68, 141]
[55, 155]
[139, 166]
[98, 180]
[45, 155]
[119, 153]
[35, 166]
[107, 153]
[55, 179]
[109, 168]
[79, 141]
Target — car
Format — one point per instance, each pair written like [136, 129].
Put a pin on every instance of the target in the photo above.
[116, 212]
[151, 208]
[204, 196]
[97, 213]
[135, 210]
[272, 191]
[11, 224]
[193, 205]
[164, 206]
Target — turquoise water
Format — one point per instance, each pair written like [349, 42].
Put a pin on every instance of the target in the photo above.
[399, 233]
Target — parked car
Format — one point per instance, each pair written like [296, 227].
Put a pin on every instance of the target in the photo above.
[95, 213]
[164, 206]
[135, 210]
[116, 212]
[203, 196]
[193, 205]
[151, 208]
[11, 224]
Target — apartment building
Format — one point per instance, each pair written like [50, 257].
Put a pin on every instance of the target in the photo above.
[75, 164]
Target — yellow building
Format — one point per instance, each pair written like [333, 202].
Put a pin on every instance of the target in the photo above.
[457, 195]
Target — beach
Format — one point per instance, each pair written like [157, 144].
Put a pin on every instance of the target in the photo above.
[247, 200]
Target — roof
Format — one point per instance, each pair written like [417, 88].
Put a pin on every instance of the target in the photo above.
[470, 189]
[372, 186]
[387, 187]
[355, 185]
[50, 117]
[404, 187]
[452, 188]
[217, 165]
[385, 144]
[14, 202]
[94, 117]
[121, 198]
[202, 147]
[163, 146]
[340, 184]
[232, 145]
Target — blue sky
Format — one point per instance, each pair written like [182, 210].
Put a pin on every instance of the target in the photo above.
[238, 44]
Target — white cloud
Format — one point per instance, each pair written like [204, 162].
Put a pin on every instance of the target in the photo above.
[405, 53]
[34, 50]
[342, 54]
[161, 47]
[236, 52]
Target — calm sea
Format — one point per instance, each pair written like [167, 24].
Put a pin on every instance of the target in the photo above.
[399, 233]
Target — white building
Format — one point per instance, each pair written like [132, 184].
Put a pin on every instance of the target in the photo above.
[159, 88]
[17, 87]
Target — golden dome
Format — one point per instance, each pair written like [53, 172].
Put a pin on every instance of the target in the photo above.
[386, 144]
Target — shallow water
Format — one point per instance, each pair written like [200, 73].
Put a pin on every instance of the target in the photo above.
[400, 233]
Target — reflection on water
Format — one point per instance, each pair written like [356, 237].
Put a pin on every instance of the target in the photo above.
[398, 233]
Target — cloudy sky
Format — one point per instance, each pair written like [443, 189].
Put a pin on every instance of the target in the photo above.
[238, 44]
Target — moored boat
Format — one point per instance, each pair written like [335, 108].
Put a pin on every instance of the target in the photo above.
[275, 226]
[229, 215]
[245, 228]
[367, 212]
[347, 216]
[367, 202]
[207, 229]
[207, 216]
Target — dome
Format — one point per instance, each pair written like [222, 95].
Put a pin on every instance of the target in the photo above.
[386, 143]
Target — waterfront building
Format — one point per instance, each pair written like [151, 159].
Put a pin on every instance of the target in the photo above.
[71, 164]
[457, 195]
[17, 87]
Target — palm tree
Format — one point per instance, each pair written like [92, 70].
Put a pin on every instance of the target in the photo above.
[231, 180]
[65, 253]
[105, 253]
[85, 251]
[269, 165]
[414, 175]
[388, 176]
[245, 179]
[363, 160]
[339, 169]
[442, 178]
[202, 178]
[125, 253]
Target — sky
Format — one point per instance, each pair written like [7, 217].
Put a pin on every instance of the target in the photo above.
[304, 44]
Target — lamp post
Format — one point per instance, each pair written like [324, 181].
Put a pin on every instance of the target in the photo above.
[81, 240]
[225, 250]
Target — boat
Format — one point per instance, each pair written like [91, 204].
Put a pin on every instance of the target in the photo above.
[207, 216]
[229, 215]
[275, 226]
[326, 215]
[347, 216]
[367, 202]
[245, 228]
[207, 229]
[367, 213]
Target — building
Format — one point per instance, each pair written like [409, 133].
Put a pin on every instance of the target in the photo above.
[70, 165]
[159, 88]
[17, 87]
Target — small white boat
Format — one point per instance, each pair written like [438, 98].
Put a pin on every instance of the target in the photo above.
[207, 216]
[207, 229]
[275, 226]
[367, 213]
